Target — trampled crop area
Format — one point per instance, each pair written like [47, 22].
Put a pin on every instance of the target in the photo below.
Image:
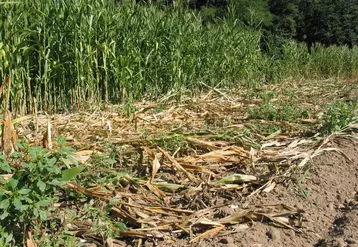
[237, 168]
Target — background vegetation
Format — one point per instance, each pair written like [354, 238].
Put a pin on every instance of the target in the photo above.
[62, 53]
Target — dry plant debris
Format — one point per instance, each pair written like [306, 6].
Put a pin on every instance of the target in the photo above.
[192, 166]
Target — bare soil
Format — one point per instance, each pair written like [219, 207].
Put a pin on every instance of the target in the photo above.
[328, 193]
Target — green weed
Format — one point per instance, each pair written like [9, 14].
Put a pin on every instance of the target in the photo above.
[338, 115]
[27, 198]
[299, 177]
[276, 112]
[172, 142]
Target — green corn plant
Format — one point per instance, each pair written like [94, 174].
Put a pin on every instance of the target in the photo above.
[63, 53]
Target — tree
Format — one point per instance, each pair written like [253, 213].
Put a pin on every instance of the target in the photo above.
[285, 14]
[328, 22]
[253, 13]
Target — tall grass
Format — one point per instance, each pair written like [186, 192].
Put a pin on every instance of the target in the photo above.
[66, 52]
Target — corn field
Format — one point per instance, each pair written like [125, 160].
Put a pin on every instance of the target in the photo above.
[65, 53]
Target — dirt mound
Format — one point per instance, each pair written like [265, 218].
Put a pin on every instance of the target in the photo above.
[327, 192]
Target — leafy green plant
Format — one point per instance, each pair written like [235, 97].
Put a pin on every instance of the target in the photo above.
[129, 109]
[172, 142]
[27, 198]
[99, 215]
[277, 110]
[101, 169]
[266, 111]
[337, 116]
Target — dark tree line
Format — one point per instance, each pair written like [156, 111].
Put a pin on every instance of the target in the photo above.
[312, 21]
[325, 21]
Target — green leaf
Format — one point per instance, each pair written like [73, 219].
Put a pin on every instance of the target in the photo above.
[44, 203]
[4, 204]
[24, 191]
[4, 215]
[5, 167]
[36, 212]
[121, 226]
[66, 162]
[42, 214]
[20, 145]
[51, 161]
[69, 174]
[2, 157]
[111, 161]
[30, 166]
[114, 201]
[73, 160]
[61, 141]
[17, 203]
[29, 200]
[13, 182]
[41, 185]
[53, 169]
[35, 152]
[9, 238]
[57, 182]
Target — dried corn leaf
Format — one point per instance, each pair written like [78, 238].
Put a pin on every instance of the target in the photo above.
[269, 187]
[30, 242]
[125, 215]
[207, 144]
[208, 234]
[9, 136]
[237, 178]
[196, 168]
[94, 193]
[155, 162]
[47, 137]
[205, 221]
[177, 165]
[238, 217]
[83, 155]
[156, 191]
[231, 154]
[165, 210]
[135, 234]
[278, 214]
